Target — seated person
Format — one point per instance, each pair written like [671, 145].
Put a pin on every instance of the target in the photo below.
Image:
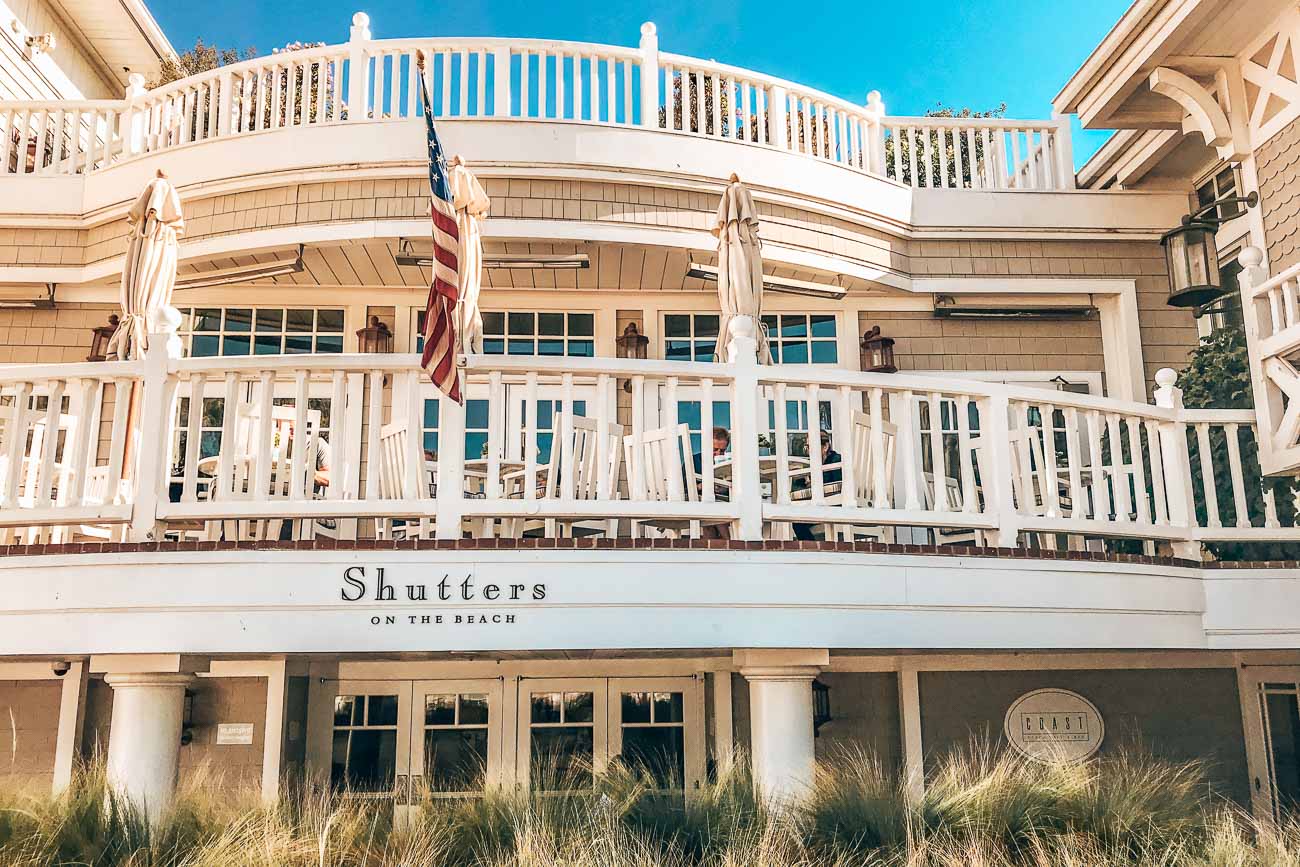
[721, 442]
[832, 474]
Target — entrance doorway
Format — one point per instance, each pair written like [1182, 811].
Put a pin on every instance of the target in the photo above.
[403, 741]
[1272, 698]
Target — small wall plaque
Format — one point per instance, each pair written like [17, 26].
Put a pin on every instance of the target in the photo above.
[234, 733]
[1054, 724]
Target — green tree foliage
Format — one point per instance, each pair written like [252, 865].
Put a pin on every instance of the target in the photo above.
[955, 157]
[1217, 376]
[200, 58]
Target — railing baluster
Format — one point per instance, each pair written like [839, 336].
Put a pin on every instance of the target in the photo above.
[1209, 484]
[1238, 478]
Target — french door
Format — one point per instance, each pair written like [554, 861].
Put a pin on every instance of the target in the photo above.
[1271, 700]
[403, 741]
[572, 728]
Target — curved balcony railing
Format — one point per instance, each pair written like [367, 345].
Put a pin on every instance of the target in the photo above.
[520, 79]
[362, 446]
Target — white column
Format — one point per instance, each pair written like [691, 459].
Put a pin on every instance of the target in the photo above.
[145, 737]
[781, 729]
[72, 719]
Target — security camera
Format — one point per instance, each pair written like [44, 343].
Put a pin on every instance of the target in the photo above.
[60, 667]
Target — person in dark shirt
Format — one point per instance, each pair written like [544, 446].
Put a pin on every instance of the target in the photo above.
[831, 475]
[721, 442]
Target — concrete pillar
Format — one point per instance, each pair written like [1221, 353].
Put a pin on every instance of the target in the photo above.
[145, 738]
[781, 719]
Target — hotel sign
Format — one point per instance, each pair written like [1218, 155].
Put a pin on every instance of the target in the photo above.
[1054, 724]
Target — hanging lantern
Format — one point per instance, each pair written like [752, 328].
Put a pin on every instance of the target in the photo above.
[100, 337]
[375, 337]
[878, 352]
[1192, 259]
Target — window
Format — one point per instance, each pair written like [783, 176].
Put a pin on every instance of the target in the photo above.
[476, 427]
[1228, 308]
[800, 338]
[530, 332]
[455, 742]
[364, 755]
[1221, 185]
[654, 736]
[212, 331]
[561, 740]
[690, 336]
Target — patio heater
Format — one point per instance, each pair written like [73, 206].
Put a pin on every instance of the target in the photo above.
[1192, 255]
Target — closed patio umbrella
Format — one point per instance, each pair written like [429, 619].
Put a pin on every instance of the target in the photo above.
[740, 264]
[149, 272]
[471, 204]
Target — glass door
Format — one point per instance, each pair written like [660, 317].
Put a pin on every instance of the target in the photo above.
[1272, 702]
[455, 737]
[656, 725]
[563, 737]
[572, 728]
[371, 743]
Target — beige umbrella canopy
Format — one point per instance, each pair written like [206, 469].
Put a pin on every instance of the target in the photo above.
[740, 264]
[149, 272]
[471, 204]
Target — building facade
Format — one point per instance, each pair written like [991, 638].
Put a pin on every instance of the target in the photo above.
[1015, 535]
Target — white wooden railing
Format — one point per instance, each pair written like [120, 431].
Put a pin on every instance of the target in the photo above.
[367, 80]
[579, 446]
[1271, 313]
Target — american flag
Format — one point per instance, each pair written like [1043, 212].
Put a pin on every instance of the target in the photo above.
[440, 340]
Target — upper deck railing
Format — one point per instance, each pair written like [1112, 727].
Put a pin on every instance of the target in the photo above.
[478, 79]
[357, 446]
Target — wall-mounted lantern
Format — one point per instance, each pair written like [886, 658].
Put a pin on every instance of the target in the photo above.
[375, 337]
[632, 344]
[1192, 255]
[878, 352]
[821, 706]
[100, 337]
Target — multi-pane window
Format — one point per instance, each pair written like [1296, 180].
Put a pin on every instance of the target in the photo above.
[1221, 185]
[654, 735]
[455, 742]
[802, 338]
[1227, 312]
[476, 428]
[211, 331]
[690, 336]
[561, 740]
[364, 754]
[528, 332]
[691, 414]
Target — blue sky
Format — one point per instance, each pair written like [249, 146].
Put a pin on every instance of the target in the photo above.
[917, 53]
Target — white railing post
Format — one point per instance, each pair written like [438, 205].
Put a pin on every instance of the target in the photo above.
[876, 125]
[451, 468]
[1176, 464]
[1269, 407]
[746, 481]
[358, 68]
[226, 107]
[157, 405]
[1063, 148]
[776, 118]
[133, 121]
[650, 76]
[995, 430]
[501, 82]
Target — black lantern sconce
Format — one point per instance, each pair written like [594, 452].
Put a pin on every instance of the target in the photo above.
[821, 706]
[187, 719]
[1192, 256]
[878, 352]
[375, 337]
[100, 338]
[632, 344]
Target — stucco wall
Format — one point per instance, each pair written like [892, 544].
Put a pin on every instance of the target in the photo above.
[1175, 714]
[1277, 163]
[29, 727]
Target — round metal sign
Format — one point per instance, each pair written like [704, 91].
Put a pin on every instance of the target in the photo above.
[1054, 724]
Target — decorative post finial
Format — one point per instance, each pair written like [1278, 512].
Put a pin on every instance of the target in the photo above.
[360, 26]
